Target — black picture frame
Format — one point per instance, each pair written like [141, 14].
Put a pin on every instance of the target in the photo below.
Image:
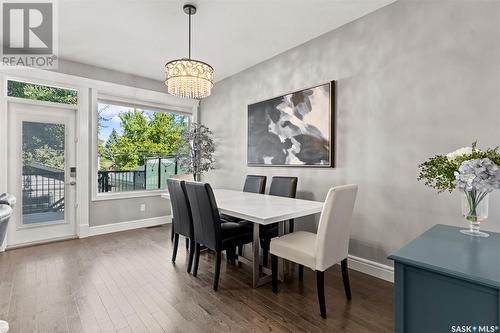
[266, 107]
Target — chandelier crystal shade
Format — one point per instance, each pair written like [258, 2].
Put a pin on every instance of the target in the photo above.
[187, 77]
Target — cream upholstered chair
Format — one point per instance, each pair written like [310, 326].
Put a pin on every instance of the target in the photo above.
[326, 248]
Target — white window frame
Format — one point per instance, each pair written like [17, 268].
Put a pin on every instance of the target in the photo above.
[116, 99]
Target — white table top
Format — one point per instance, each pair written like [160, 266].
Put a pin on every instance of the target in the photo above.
[262, 208]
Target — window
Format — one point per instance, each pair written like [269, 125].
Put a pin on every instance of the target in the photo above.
[43, 172]
[137, 147]
[41, 92]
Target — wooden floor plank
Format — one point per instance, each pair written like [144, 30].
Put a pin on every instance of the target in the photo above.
[125, 282]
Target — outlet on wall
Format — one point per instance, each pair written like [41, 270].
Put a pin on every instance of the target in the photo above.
[142, 207]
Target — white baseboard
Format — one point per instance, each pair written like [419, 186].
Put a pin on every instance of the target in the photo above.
[83, 232]
[372, 268]
[129, 225]
[41, 242]
[362, 265]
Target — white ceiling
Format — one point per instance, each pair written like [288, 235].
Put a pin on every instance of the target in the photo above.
[140, 36]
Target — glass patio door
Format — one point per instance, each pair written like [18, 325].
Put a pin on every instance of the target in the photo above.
[41, 151]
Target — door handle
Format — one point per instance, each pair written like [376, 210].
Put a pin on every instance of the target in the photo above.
[72, 183]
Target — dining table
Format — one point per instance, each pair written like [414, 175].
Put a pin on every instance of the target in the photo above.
[262, 209]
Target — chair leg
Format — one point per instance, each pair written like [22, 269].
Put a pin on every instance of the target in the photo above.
[265, 255]
[301, 272]
[172, 231]
[231, 255]
[234, 257]
[192, 247]
[176, 243]
[187, 244]
[265, 251]
[345, 278]
[274, 270]
[217, 270]
[320, 281]
[240, 250]
[291, 226]
[196, 259]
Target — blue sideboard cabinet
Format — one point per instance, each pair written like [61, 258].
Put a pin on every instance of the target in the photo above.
[446, 281]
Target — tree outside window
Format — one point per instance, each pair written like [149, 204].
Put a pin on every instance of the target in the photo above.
[139, 145]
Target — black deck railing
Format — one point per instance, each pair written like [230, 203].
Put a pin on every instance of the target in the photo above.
[154, 175]
[43, 190]
[121, 180]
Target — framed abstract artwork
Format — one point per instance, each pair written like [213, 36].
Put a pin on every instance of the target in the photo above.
[295, 129]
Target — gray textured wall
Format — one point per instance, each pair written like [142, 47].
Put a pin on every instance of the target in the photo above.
[122, 210]
[415, 78]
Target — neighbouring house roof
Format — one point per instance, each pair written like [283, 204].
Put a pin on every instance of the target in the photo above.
[35, 168]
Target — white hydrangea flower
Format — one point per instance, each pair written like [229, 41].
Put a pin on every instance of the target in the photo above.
[459, 152]
[480, 174]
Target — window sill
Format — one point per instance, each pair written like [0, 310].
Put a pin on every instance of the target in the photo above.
[127, 195]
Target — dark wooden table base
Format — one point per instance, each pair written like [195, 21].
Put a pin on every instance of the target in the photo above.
[126, 282]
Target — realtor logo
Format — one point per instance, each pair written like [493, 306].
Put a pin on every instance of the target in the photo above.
[28, 33]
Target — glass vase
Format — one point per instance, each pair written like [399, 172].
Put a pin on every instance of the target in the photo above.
[475, 210]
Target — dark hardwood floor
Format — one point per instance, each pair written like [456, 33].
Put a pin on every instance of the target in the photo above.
[125, 282]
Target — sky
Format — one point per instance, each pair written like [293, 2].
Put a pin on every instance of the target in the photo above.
[111, 113]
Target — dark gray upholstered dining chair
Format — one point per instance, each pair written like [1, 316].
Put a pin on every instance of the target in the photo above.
[182, 222]
[282, 187]
[209, 230]
[253, 184]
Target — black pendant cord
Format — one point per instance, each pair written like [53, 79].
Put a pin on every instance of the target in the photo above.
[189, 39]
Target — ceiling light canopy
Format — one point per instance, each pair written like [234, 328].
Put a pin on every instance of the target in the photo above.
[187, 77]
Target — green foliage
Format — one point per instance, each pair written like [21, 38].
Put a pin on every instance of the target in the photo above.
[41, 93]
[43, 144]
[439, 172]
[110, 148]
[46, 156]
[144, 135]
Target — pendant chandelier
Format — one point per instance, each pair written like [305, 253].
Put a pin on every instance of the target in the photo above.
[187, 77]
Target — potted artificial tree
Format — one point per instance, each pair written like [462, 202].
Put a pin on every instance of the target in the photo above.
[196, 153]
